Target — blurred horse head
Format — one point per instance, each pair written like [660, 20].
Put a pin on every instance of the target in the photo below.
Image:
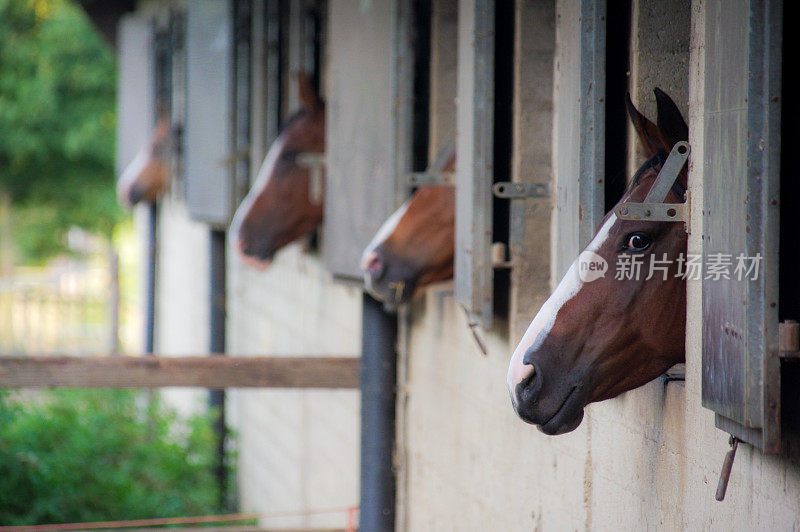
[415, 246]
[147, 176]
[281, 207]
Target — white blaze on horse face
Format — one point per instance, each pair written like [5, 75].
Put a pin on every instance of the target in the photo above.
[543, 323]
[264, 174]
[383, 233]
[130, 175]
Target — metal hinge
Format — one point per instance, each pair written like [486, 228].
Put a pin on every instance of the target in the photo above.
[508, 190]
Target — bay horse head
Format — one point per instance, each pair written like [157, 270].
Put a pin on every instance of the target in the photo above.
[147, 176]
[598, 336]
[280, 207]
[415, 246]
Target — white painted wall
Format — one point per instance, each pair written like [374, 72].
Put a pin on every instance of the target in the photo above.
[298, 450]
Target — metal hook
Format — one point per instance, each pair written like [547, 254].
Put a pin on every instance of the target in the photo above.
[473, 327]
[727, 465]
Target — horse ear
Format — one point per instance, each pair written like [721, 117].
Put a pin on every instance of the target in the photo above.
[671, 124]
[648, 132]
[308, 94]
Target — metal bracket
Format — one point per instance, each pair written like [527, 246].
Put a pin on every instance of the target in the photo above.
[676, 373]
[653, 208]
[434, 175]
[426, 179]
[669, 173]
[510, 190]
[657, 212]
[653, 212]
[315, 162]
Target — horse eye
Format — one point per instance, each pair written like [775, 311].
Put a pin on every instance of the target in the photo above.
[639, 242]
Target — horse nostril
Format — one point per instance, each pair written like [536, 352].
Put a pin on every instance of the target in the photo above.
[372, 264]
[530, 387]
[135, 194]
[375, 267]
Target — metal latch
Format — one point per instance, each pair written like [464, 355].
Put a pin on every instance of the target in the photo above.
[315, 162]
[500, 255]
[426, 179]
[508, 190]
[727, 465]
[473, 326]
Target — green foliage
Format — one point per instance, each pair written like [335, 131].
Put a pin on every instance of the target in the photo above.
[93, 455]
[57, 123]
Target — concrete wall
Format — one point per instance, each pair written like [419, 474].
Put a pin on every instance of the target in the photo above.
[444, 62]
[659, 57]
[298, 450]
[649, 459]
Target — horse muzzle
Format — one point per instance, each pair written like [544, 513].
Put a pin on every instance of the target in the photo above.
[387, 278]
[259, 259]
[555, 405]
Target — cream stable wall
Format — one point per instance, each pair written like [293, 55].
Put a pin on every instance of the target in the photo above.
[649, 459]
[297, 449]
[182, 281]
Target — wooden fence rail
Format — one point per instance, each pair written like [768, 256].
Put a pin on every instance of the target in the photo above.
[157, 372]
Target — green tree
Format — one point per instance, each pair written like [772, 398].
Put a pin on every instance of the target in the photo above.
[57, 124]
[94, 455]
